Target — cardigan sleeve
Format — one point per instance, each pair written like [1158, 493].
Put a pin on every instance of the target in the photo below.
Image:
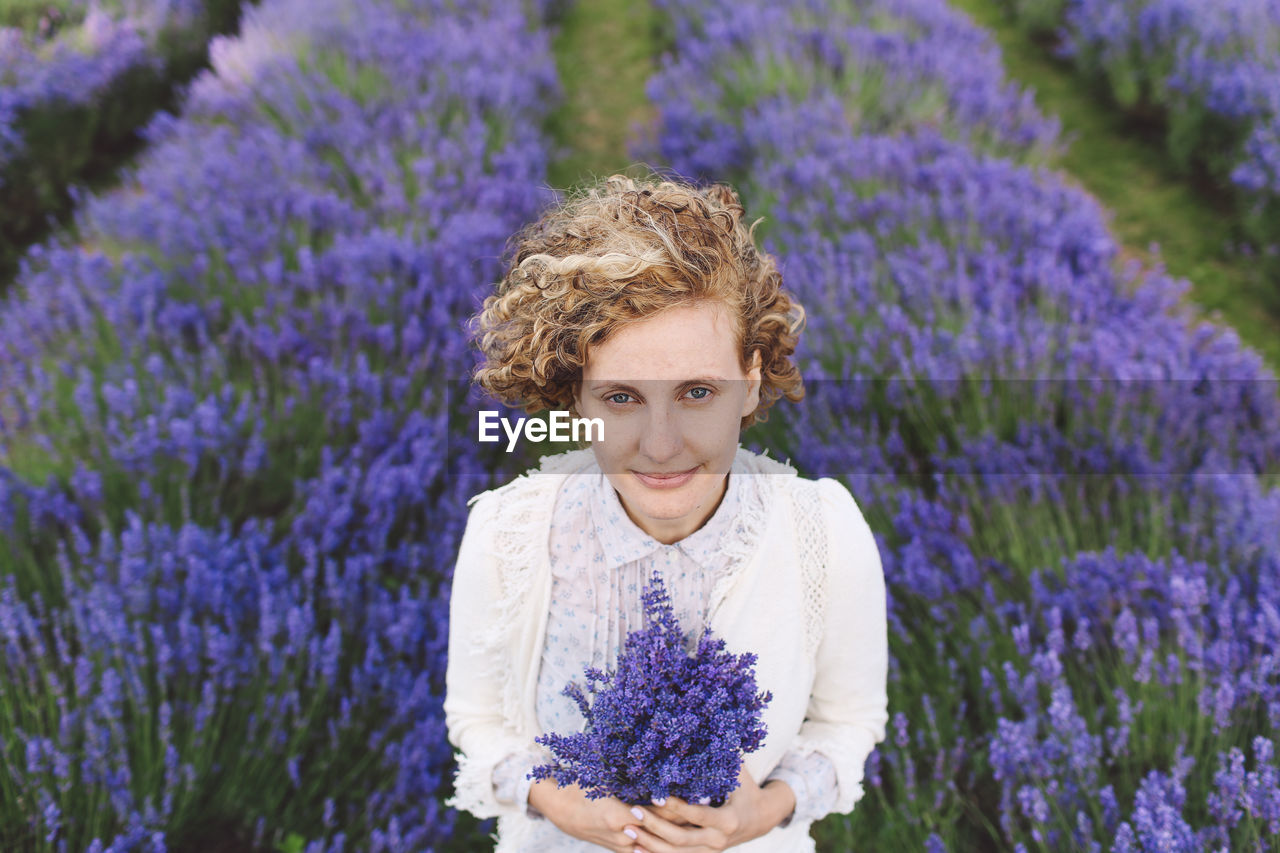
[511, 780]
[812, 779]
[473, 700]
[848, 708]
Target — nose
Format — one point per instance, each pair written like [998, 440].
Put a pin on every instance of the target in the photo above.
[663, 439]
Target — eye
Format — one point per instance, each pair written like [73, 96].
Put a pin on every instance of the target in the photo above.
[614, 398]
[705, 393]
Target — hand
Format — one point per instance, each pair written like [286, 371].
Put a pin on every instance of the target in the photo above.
[681, 827]
[599, 822]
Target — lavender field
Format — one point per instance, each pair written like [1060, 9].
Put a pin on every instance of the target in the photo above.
[77, 79]
[232, 484]
[1210, 69]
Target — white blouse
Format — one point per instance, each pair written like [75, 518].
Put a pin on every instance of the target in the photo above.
[600, 562]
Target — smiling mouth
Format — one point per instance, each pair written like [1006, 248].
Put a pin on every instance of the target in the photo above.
[665, 481]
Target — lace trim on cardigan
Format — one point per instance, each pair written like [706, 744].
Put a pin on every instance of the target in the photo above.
[473, 781]
[812, 540]
[526, 506]
[752, 517]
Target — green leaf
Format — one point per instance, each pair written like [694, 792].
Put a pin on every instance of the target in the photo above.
[293, 843]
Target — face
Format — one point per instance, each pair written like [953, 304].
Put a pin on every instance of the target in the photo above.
[671, 392]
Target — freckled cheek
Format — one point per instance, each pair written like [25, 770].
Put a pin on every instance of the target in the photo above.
[713, 428]
[618, 450]
[621, 434]
[709, 431]
[700, 429]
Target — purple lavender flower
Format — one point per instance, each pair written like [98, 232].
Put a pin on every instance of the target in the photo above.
[664, 722]
[1211, 67]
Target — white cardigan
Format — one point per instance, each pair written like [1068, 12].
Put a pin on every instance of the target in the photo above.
[809, 601]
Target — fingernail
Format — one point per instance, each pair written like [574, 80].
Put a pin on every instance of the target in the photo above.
[704, 801]
[631, 833]
[660, 801]
[639, 814]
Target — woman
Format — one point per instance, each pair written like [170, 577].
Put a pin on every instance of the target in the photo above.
[646, 305]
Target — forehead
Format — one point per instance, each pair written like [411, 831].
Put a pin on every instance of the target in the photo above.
[699, 339]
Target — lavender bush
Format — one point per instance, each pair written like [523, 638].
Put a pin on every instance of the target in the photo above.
[665, 722]
[1054, 454]
[229, 504]
[890, 65]
[77, 80]
[1209, 68]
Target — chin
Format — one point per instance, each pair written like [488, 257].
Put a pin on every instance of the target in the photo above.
[666, 510]
[669, 504]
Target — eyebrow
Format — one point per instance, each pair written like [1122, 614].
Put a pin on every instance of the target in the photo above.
[606, 383]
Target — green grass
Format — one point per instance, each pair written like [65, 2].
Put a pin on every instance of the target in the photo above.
[604, 51]
[1123, 163]
[26, 14]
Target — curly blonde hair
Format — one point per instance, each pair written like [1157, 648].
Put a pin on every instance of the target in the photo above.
[623, 250]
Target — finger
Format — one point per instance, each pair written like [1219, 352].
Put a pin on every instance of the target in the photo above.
[672, 817]
[653, 843]
[629, 817]
[659, 807]
[655, 825]
[696, 815]
[647, 842]
[631, 837]
[639, 816]
[627, 840]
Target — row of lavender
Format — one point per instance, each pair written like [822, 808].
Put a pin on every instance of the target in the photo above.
[70, 54]
[1211, 68]
[78, 78]
[1067, 474]
[226, 524]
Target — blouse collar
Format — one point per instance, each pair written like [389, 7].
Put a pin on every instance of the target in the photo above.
[625, 542]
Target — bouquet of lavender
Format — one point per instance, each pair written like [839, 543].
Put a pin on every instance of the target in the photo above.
[665, 722]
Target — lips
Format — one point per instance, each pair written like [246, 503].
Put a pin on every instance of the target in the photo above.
[665, 481]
